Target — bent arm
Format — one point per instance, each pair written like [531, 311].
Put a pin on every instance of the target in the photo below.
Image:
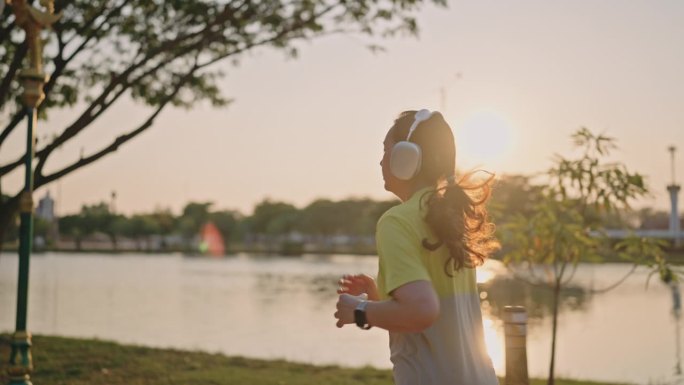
[413, 308]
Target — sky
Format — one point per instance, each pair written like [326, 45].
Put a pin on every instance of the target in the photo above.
[514, 80]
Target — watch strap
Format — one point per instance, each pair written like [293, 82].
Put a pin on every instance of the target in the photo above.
[360, 318]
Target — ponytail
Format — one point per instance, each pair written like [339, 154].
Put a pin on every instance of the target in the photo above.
[457, 214]
[456, 211]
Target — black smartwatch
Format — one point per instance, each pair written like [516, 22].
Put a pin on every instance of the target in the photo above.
[360, 316]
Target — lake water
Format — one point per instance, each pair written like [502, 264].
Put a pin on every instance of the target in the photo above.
[282, 307]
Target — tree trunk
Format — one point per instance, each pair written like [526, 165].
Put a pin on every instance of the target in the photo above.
[8, 212]
[552, 365]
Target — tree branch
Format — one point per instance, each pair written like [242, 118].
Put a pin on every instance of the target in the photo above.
[122, 81]
[272, 39]
[5, 32]
[98, 106]
[572, 274]
[616, 284]
[61, 63]
[81, 122]
[6, 169]
[16, 119]
[89, 23]
[42, 180]
[540, 283]
[17, 59]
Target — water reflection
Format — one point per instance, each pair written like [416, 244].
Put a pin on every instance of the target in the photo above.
[321, 289]
[499, 288]
[272, 307]
[505, 290]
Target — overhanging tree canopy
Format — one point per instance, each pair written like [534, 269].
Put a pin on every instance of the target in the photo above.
[161, 53]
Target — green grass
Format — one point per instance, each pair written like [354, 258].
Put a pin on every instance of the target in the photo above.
[73, 361]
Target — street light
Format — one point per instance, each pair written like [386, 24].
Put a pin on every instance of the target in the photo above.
[32, 21]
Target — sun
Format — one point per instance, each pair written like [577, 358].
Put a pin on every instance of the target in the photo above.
[484, 139]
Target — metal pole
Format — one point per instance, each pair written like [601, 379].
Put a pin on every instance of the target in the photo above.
[21, 362]
[26, 227]
[673, 189]
[675, 230]
[515, 328]
[672, 150]
[32, 20]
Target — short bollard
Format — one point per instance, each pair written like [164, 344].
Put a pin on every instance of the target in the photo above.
[515, 328]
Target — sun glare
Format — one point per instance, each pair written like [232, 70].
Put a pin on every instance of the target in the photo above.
[485, 139]
[494, 340]
[490, 269]
[484, 275]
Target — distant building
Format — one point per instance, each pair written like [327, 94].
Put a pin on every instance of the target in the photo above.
[46, 208]
[46, 212]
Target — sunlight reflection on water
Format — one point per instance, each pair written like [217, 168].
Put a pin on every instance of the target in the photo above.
[495, 341]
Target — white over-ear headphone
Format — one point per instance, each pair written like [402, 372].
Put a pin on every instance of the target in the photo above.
[406, 157]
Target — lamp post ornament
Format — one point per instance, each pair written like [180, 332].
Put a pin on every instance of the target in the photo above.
[32, 21]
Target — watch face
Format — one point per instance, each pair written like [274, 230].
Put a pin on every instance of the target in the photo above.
[360, 316]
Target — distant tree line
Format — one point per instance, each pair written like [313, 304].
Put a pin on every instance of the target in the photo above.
[517, 194]
[271, 222]
[274, 222]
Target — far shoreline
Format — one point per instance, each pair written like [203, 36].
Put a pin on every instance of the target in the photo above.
[675, 257]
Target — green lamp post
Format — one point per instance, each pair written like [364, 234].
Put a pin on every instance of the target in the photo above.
[32, 21]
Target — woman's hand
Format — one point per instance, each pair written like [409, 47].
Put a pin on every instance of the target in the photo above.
[358, 284]
[346, 304]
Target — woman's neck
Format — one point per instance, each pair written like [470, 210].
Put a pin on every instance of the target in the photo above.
[411, 189]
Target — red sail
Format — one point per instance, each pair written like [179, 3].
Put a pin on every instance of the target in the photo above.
[212, 241]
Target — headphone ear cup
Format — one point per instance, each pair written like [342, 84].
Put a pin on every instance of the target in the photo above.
[405, 160]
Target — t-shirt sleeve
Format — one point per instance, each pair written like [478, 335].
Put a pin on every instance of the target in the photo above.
[399, 250]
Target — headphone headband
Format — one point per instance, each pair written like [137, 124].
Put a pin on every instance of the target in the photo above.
[420, 116]
[406, 156]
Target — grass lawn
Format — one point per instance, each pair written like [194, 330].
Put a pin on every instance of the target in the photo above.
[73, 361]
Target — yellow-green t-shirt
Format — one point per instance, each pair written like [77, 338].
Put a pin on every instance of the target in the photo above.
[452, 350]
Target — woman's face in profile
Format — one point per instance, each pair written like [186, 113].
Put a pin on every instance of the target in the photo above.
[389, 179]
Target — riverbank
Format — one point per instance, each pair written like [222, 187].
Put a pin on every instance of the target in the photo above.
[675, 257]
[284, 249]
[59, 360]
